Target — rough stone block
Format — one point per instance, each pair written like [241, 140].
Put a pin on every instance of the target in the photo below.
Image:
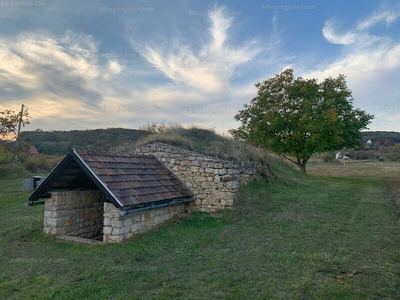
[218, 195]
[68, 222]
[194, 169]
[220, 185]
[227, 178]
[206, 185]
[233, 185]
[209, 170]
[127, 221]
[134, 227]
[158, 219]
[118, 231]
[114, 238]
[185, 162]
[116, 223]
[107, 230]
[107, 222]
[218, 165]
[204, 165]
[221, 171]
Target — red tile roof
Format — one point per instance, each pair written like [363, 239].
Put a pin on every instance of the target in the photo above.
[126, 181]
[33, 150]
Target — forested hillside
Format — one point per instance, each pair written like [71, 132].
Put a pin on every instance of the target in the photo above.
[382, 138]
[59, 142]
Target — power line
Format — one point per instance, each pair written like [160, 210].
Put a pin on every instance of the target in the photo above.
[58, 118]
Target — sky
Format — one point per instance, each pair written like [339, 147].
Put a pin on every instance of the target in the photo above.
[104, 64]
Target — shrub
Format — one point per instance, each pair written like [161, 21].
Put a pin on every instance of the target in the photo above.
[328, 157]
[42, 163]
[13, 171]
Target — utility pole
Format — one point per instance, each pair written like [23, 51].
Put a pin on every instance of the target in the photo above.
[18, 132]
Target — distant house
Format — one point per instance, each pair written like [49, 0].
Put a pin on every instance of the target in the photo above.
[33, 151]
[339, 155]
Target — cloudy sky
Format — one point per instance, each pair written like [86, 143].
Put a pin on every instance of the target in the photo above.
[102, 64]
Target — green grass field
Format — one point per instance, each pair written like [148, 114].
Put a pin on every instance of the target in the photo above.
[305, 237]
[351, 168]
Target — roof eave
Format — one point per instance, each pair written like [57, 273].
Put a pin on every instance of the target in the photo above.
[42, 188]
[156, 204]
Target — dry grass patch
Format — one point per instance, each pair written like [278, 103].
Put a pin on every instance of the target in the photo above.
[374, 169]
[204, 141]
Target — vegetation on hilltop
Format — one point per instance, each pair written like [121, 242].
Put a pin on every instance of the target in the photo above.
[59, 142]
[381, 138]
[204, 141]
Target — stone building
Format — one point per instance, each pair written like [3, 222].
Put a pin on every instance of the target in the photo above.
[107, 197]
[98, 195]
[213, 181]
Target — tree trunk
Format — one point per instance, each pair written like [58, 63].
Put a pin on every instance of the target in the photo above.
[302, 162]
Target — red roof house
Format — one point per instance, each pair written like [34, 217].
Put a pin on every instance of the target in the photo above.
[33, 151]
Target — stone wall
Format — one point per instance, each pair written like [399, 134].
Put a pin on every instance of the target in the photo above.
[213, 181]
[74, 213]
[119, 227]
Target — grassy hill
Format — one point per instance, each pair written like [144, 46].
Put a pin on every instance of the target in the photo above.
[201, 140]
[303, 237]
[300, 237]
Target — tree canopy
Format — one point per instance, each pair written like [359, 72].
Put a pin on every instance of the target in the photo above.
[298, 117]
[9, 122]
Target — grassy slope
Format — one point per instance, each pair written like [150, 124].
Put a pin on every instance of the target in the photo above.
[304, 237]
[201, 140]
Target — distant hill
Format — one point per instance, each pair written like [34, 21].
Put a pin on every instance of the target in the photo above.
[59, 142]
[381, 138]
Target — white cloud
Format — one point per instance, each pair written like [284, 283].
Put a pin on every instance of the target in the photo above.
[114, 67]
[57, 75]
[371, 64]
[335, 38]
[377, 17]
[208, 69]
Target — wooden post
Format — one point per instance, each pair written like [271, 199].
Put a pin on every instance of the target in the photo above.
[18, 132]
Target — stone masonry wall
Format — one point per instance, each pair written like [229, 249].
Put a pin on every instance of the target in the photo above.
[213, 181]
[74, 213]
[118, 228]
